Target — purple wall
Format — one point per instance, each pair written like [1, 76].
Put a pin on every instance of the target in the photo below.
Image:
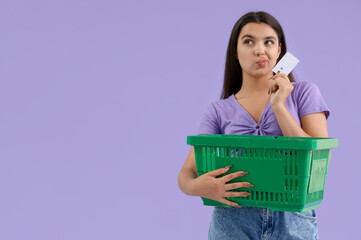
[97, 98]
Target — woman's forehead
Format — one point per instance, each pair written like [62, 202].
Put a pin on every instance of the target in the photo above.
[257, 30]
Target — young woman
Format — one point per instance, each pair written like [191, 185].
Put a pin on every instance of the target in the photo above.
[254, 101]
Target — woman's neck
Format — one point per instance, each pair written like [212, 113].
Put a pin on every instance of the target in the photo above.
[254, 86]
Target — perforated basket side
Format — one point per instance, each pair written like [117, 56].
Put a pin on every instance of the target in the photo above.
[284, 179]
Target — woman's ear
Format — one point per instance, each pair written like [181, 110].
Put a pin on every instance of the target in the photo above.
[279, 48]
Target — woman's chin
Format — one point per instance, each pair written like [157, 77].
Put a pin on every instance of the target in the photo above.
[261, 74]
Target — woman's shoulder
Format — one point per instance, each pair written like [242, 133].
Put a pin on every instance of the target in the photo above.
[309, 98]
[304, 87]
[223, 103]
[304, 84]
[221, 107]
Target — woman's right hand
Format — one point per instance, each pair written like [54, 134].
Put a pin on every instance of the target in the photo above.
[211, 187]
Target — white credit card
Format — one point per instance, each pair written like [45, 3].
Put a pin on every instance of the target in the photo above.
[287, 63]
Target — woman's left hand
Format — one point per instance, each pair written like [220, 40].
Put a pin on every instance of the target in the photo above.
[280, 89]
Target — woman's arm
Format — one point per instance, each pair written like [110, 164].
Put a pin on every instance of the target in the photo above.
[209, 185]
[312, 125]
[187, 173]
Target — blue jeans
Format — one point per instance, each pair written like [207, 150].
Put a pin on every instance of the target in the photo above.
[261, 223]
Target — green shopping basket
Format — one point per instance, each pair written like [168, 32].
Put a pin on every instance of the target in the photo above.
[288, 173]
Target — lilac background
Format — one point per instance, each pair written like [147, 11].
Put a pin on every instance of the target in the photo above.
[97, 98]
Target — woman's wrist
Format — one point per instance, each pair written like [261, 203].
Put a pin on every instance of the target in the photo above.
[278, 108]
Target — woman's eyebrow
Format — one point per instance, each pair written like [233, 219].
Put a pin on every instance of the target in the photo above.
[250, 36]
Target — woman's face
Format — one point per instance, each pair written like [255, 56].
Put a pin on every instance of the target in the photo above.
[258, 49]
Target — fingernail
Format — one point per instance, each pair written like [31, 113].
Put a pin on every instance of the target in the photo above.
[244, 173]
[250, 185]
[237, 206]
[228, 167]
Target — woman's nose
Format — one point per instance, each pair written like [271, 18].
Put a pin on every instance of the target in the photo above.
[259, 51]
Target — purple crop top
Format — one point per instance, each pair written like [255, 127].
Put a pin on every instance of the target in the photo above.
[227, 116]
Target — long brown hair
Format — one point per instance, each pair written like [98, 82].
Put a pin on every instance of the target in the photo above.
[233, 71]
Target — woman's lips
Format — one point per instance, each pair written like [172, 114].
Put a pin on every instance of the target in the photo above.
[262, 62]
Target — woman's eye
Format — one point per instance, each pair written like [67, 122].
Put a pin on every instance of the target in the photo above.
[268, 42]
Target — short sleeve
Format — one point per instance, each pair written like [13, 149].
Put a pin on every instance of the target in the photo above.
[309, 99]
[209, 123]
